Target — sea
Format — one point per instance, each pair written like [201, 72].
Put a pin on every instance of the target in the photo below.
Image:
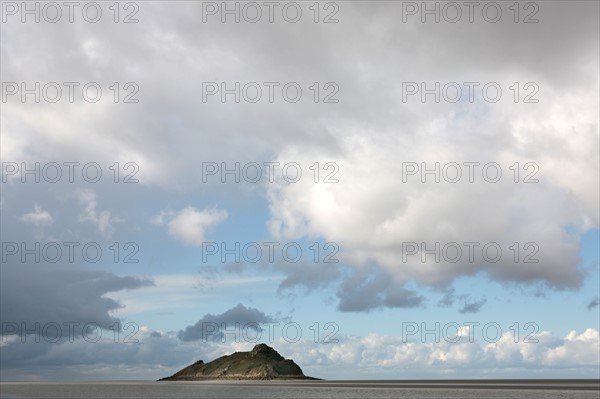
[554, 389]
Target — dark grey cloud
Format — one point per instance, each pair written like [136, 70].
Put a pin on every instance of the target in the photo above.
[33, 295]
[212, 327]
[307, 276]
[472, 307]
[148, 355]
[371, 289]
[448, 299]
[594, 302]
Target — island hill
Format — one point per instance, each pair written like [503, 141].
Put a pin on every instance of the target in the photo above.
[261, 363]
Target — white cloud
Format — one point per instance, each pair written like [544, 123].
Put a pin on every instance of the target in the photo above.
[161, 218]
[38, 217]
[386, 355]
[371, 212]
[190, 225]
[582, 349]
[103, 220]
[373, 355]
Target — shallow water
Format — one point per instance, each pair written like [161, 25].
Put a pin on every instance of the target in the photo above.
[273, 390]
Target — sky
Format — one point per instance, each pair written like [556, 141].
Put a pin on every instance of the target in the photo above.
[376, 189]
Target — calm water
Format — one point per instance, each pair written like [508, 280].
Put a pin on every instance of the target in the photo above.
[268, 390]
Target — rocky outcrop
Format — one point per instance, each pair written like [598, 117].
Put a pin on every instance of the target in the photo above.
[261, 363]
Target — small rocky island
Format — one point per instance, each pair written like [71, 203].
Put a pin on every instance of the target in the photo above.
[261, 363]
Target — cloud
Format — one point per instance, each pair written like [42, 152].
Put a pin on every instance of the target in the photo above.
[160, 353]
[307, 276]
[472, 307]
[214, 327]
[579, 349]
[378, 356]
[370, 289]
[593, 303]
[41, 295]
[373, 224]
[104, 221]
[190, 225]
[161, 218]
[38, 217]
[139, 352]
[469, 305]
[448, 299]
[370, 212]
